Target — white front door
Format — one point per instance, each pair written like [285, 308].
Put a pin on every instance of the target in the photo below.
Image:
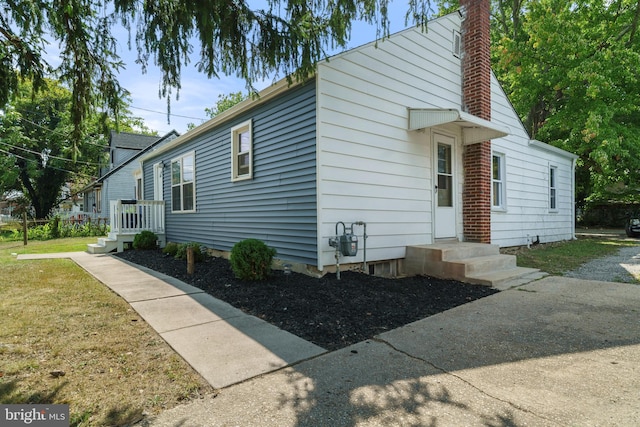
[445, 197]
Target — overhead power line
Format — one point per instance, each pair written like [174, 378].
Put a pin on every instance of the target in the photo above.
[51, 157]
[170, 114]
[49, 167]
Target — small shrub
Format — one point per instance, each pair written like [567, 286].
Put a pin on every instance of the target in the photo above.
[251, 259]
[145, 240]
[171, 249]
[198, 251]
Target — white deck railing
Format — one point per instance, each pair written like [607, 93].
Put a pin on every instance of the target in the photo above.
[134, 216]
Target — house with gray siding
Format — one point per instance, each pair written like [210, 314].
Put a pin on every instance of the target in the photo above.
[401, 143]
[119, 180]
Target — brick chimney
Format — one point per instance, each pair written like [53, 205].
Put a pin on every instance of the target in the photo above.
[476, 100]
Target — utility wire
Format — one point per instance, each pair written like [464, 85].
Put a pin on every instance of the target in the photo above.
[55, 131]
[170, 114]
[51, 157]
[51, 167]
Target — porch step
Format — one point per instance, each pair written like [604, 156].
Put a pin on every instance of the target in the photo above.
[500, 277]
[116, 242]
[104, 245]
[467, 262]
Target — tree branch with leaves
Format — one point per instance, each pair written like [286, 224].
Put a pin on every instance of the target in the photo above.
[286, 37]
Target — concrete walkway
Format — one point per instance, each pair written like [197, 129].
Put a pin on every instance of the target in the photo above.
[554, 352]
[219, 341]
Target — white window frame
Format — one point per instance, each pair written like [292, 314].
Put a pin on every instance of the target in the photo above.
[138, 186]
[243, 128]
[158, 185]
[98, 200]
[183, 182]
[553, 188]
[499, 183]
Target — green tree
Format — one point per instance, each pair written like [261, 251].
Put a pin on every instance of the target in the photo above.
[287, 37]
[223, 104]
[574, 81]
[35, 141]
[34, 135]
[570, 70]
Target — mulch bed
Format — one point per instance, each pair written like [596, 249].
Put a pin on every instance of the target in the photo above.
[329, 312]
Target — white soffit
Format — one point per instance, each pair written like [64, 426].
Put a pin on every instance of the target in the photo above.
[474, 129]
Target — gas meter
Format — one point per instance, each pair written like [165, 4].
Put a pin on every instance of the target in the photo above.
[349, 244]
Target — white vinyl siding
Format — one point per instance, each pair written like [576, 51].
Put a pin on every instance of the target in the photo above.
[370, 167]
[526, 175]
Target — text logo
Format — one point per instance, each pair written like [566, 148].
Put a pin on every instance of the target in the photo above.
[34, 415]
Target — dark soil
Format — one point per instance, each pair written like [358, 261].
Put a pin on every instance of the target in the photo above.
[329, 312]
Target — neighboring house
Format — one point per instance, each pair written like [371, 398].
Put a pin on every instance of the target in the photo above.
[120, 181]
[71, 204]
[393, 135]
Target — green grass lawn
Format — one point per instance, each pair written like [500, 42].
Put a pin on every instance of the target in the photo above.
[77, 244]
[57, 318]
[559, 258]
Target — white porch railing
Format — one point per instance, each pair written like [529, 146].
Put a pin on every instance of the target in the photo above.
[134, 216]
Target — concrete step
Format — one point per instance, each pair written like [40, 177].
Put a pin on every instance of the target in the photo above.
[104, 245]
[95, 248]
[468, 262]
[483, 264]
[500, 277]
[446, 251]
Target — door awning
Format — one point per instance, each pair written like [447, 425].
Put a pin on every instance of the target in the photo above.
[474, 129]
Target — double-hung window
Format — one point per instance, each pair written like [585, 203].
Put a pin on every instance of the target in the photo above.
[553, 192]
[497, 181]
[183, 183]
[98, 201]
[241, 151]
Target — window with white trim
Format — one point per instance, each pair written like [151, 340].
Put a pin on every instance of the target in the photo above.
[138, 186]
[98, 202]
[497, 181]
[241, 152]
[183, 192]
[553, 192]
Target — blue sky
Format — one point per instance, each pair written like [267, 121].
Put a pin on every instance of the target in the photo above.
[198, 92]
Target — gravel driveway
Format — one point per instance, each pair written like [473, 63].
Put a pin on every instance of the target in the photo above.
[623, 267]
